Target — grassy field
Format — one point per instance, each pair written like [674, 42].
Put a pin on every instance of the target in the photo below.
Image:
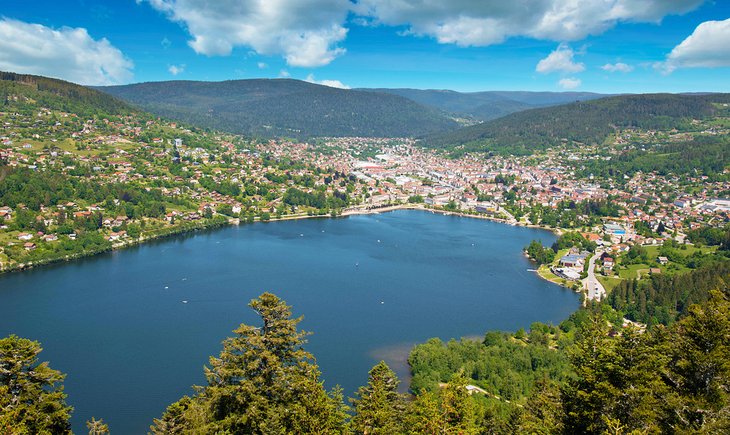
[688, 250]
[544, 271]
[609, 283]
[632, 271]
[641, 270]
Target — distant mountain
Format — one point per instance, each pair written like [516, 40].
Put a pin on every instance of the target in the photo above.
[58, 95]
[543, 99]
[284, 107]
[487, 105]
[584, 122]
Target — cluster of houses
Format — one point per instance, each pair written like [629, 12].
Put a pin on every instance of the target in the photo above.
[402, 170]
[570, 266]
[27, 237]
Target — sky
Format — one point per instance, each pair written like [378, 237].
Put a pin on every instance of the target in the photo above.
[607, 46]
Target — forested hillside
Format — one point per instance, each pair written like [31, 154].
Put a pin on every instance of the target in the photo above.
[487, 105]
[284, 107]
[706, 155]
[586, 122]
[21, 90]
[664, 298]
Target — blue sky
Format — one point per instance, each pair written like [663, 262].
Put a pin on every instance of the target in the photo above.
[467, 45]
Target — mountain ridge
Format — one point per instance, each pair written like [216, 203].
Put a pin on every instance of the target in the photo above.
[585, 122]
[284, 107]
[487, 105]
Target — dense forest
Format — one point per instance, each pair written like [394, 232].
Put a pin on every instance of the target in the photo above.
[711, 236]
[590, 376]
[586, 122]
[662, 299]
[701, 155]
[36, 189]
[504, 364]
[284, 107]
[57, 94]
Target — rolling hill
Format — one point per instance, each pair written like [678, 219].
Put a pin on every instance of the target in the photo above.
[58, 95]
[284, 107]
[583, 122]
[488, 105]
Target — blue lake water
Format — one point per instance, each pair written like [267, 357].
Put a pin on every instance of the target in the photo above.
[369, 288]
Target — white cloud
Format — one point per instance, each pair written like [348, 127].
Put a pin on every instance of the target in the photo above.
[330, 83]
[176, 69]
[65, 53]
[560, 60]
[304, 32]
[262, 65]
[569, 83]
[708, 46]
[617, 67]
[479, 23]
[307, 33]
[284, 74]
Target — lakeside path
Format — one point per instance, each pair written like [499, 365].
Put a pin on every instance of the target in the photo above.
[355, 211]
[556, 231]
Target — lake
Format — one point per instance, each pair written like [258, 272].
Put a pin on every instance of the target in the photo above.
[369, 287]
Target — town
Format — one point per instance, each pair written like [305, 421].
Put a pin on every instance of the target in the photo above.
[105, 183]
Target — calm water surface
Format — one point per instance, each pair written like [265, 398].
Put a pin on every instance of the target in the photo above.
[369, 287]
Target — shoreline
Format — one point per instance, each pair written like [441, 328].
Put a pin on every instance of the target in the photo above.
[556, 231]
[237, 222]
[114, 247]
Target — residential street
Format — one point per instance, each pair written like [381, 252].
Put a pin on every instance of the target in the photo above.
[594, 289]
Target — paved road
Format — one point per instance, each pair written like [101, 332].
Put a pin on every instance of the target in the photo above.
[510, 218]
[594, 288]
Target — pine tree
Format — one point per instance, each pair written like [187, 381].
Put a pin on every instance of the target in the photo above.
[457, 406]
[175, 420]
[450, 411]
[425, 416]
[263, 382]
[31, 395]
[699, 366]
[585, 398]
[543, 410]
[97, 427]
[618, 387]
[379, 408]
[636, 375]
